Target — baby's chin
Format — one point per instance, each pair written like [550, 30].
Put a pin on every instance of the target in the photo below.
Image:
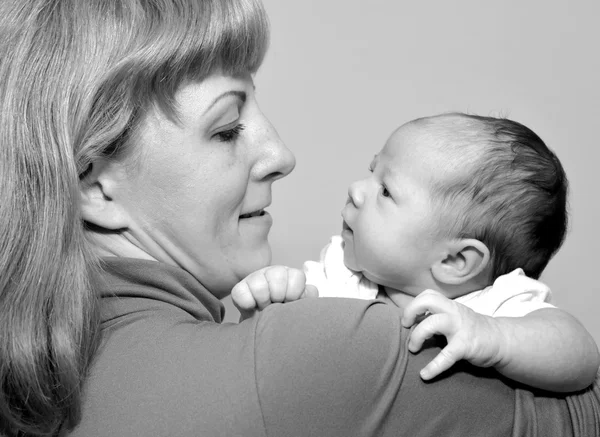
[350, 264]
[349, 259]
[371, 278]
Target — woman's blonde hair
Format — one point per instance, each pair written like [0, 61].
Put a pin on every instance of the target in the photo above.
[75, 77]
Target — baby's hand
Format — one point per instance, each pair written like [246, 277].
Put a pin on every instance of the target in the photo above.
[273, 284]
[471, 336]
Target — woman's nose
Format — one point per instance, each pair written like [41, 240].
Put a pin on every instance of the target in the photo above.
[276, 160]
[355, 194]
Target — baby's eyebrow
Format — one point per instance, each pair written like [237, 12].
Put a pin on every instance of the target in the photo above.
[374, 160]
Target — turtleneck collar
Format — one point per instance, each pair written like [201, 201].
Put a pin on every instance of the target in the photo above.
[137, 283]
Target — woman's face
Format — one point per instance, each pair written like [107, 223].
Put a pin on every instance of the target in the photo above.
[197, 196]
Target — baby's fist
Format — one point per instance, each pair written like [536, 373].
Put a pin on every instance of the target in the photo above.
[273, 284]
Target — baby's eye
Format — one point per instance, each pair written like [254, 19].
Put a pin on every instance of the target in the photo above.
[385, 192]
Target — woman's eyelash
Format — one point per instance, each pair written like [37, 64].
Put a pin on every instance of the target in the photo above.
[229, 135]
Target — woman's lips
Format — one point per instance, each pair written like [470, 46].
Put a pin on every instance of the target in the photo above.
[260, 221]
[258, 213]
[260, 218]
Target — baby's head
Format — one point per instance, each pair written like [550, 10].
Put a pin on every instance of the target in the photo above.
[453, 202]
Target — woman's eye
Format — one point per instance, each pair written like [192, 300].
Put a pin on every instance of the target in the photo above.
[230, 135]
[385, 192]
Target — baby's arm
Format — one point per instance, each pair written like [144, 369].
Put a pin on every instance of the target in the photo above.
[273, 284]
[547, 348]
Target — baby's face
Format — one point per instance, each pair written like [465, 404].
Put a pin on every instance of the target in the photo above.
[390, 231]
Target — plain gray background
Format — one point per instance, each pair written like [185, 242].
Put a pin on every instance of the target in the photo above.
[342, 74]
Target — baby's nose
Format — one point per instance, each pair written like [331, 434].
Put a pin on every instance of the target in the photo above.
[355, 194]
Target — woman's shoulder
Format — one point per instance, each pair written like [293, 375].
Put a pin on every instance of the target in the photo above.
[165, 373]
[312, 367]
[346, 361]
[334, 323]
[162, 374]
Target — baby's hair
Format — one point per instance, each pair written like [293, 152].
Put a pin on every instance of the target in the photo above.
[511, 194]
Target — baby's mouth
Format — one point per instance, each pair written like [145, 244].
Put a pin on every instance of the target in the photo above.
[258, 213]
[345, 226]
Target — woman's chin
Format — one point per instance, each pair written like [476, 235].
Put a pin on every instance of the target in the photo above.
[256, 259]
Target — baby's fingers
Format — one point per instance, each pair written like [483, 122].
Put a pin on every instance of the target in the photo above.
[429, 301]
[259, 288]
[432, 325]
[442, 362]
[277, 278]
[242, 297]
[296, 282]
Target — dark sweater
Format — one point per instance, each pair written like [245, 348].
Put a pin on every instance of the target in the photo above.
[316, 367]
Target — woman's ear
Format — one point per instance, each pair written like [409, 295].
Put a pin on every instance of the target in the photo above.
[99, 188]
[465, 260]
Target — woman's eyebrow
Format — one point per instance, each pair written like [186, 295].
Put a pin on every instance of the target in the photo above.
[240, 94]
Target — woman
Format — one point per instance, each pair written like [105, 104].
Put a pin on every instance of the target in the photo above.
[135, 172]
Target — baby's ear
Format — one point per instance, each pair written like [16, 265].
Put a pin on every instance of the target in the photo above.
[464, 260]
[98, 188]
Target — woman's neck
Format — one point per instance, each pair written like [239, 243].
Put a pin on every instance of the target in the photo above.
[116, 244]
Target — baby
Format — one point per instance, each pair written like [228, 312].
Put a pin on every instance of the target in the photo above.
[473, 208]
